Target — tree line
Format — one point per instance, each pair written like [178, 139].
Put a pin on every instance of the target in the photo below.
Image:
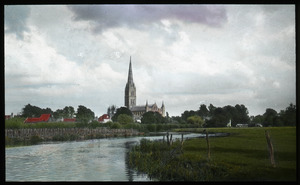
[205, 116]
[82, 114]
[238, 114]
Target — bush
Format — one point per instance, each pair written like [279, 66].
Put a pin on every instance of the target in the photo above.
[125, 119]
[135, 126]
[15, 123]
[94, 124]
[116, 125]
[35, 140]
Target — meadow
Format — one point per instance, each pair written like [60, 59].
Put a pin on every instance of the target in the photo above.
[241, 156]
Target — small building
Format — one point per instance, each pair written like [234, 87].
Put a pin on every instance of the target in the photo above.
[69, 120]
[258, 125]
[42, 118]
[9, 116]
[229, 123]
[104, 118]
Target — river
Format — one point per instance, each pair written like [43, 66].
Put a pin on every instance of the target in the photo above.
[89, 160]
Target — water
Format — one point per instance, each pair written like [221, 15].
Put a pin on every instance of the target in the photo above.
[89, 160]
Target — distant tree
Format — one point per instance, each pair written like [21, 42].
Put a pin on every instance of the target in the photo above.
[84, 114]
[121, 110]
[34, 111]
[288, 116]
[68, 112]
[211, 109]
[148, 118]
[152, 118]
[196, 120]
[257, 119]
[242, 114]
[125, 119]
[177, 119]
[167, 118]
[58, 114]
[187, 114]
[203, 111]
[269, 117]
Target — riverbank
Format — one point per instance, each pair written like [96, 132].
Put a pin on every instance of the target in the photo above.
[20, 137]
[242, 156]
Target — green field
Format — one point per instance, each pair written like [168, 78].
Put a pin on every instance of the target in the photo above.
[242, 156]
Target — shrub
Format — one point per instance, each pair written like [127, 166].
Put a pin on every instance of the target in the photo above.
[94, 124]
[125, 119]
[15, 123]
[35, 140]
[116, 125]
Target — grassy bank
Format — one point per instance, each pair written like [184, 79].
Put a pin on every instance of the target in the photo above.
[18, 123]
[242, 156]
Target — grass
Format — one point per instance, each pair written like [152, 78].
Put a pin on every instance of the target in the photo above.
[242, 156]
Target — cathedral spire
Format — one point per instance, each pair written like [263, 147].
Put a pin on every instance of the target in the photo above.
[130, 76]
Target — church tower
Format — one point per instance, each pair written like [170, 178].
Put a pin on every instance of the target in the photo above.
[130, 91]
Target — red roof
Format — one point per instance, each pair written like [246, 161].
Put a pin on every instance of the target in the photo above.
[69, 119]
[42, 118]
[104, 116]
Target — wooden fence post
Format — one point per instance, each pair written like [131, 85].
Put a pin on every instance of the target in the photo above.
[168, 142]
[270, 147]
[208, 146]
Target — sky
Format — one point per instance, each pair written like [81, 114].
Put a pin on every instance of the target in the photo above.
[184, 55]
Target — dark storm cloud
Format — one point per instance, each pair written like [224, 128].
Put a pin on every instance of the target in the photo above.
[136, 16]
[15, 19]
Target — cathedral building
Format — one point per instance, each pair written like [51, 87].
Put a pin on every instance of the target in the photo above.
[130, 99]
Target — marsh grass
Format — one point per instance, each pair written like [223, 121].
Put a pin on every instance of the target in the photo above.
[242, 156]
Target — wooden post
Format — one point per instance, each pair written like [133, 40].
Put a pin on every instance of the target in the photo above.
[270, 147]
[171, 140]
[168, 142]
[208, 146]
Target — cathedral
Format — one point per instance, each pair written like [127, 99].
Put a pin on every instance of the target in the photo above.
[130, 99]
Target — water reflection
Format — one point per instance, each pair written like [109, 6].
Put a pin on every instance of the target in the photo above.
[89, 160]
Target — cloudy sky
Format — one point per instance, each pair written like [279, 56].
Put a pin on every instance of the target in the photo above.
[184, 55]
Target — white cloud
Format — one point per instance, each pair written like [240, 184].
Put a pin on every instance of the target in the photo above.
[63, 54]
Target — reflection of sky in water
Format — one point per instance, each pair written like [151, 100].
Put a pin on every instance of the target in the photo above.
[90, 160]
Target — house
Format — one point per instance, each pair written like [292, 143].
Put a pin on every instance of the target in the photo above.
[104, 118]
[9, 116]
[42, 118]
[258, 125]
[69, 120]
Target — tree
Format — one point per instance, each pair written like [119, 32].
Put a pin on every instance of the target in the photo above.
[125, 119]
[121, 110]
[84, 114]
[68, 112]
[211, 109]
[152, 118]
[269, 117]
[34, 111]
[196, 120]
[148, 118]
[288, 115]
[203, 111]
[111, 110]
[242, 113]
[187, 114]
